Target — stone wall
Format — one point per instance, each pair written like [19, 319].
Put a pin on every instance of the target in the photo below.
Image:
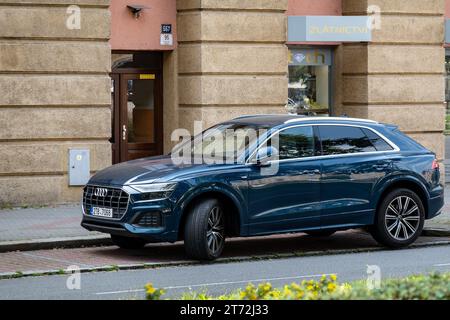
[232, 59]
[399, 76]
[55, 95]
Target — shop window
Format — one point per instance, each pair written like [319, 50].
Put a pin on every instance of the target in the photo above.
[309, 81]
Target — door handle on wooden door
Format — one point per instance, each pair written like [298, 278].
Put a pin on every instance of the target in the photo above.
[124, 132]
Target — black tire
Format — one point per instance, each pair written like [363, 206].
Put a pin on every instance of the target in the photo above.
[128, 242]
[204, 240]
[320, 233]
[392, 219]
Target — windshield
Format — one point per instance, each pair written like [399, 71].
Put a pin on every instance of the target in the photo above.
[224, 143]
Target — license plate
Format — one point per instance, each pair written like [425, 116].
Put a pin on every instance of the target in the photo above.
[102, 212]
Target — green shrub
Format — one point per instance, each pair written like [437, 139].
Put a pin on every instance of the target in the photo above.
[152, 293]
[434, 286]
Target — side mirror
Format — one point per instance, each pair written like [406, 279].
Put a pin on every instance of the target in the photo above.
[265, 155]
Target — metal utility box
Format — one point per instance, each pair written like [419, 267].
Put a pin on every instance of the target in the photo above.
[79, 167]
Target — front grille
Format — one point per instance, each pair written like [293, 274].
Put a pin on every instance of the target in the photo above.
[116, 199]
[150, 219]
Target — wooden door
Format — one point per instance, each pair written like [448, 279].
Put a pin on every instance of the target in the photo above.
[137, 112]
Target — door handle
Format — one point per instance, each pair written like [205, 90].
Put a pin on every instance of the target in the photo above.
[311, 172]
[124, 132]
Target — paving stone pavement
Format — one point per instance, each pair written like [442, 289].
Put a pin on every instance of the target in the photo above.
[280, 245]
[41, 223]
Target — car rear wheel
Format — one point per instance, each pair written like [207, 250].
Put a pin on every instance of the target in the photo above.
[128, 242]
[399, 220]
[204, 234]
[320, 233]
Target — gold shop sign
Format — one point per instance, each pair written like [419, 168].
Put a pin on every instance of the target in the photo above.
[329, 29]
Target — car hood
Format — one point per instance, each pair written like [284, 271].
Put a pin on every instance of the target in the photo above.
[154, 169]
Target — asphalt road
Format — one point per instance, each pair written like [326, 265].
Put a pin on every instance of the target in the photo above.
[218, 278]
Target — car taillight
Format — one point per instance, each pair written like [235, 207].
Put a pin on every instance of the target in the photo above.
[435, 165]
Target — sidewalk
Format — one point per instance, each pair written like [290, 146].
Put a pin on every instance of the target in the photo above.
[50, 227]
[45, 228]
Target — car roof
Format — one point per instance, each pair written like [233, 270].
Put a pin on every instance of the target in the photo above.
[274, 120]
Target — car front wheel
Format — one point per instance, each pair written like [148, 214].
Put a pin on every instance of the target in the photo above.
[399, 220]
[204, 234]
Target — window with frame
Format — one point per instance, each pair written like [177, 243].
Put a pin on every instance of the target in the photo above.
[309, 88]
[344, 140]
[294, 143]
[379, 143]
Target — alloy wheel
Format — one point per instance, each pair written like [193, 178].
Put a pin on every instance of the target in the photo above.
[215, 234]
[402, 218]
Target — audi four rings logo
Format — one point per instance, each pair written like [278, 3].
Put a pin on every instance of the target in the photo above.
[100, 192]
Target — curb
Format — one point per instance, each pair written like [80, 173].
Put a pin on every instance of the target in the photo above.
[54, 243]
[143, 266]
[436, 232]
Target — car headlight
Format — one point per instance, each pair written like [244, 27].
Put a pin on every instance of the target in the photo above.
[155, 190]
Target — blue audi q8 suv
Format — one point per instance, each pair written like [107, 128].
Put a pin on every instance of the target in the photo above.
[271, 174]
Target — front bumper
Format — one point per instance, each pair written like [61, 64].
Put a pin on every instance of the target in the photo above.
[129, 230]
[166, 230]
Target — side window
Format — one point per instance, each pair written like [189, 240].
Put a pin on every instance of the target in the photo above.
[379, 143]
[296, 142]
[343, 140]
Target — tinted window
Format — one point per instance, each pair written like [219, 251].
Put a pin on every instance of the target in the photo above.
[377, 141]
[296, 143]
[342, 140]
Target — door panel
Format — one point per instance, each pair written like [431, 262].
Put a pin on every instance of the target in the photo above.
[288, 199]
[347, 188]
[350, 174]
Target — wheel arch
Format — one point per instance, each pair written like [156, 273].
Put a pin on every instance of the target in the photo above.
[405, 183]
[232, 209]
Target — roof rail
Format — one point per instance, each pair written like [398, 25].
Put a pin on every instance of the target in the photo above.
[253, 115]
[330, 118]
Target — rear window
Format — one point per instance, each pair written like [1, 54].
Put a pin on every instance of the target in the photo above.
[379, 143]
[343, 140]
[407, 142]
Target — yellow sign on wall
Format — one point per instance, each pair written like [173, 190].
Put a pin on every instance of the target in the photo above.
[147, 76]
